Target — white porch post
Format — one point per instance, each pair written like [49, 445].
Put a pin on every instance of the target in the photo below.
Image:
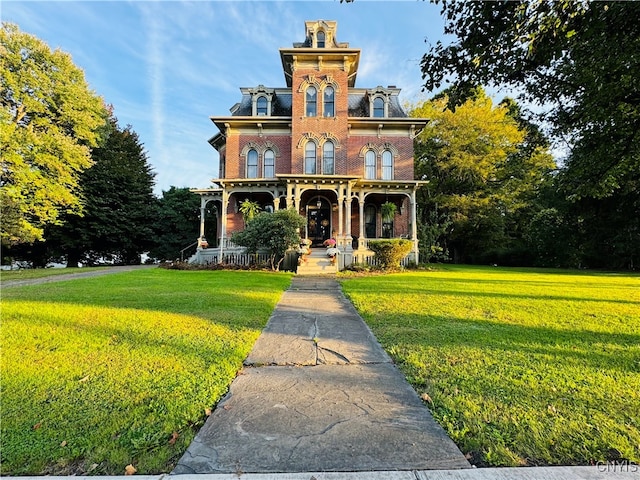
[340, 200]
[414, 226]
[361, 242]
[289, 199]
[203, 211]
[223, 227]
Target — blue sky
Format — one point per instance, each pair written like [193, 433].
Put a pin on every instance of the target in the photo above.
[167, 66]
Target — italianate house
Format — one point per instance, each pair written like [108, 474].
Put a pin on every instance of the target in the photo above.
[333, 152]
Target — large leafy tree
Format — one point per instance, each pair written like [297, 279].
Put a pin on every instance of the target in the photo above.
[484, 168]
[274, 232]
[579, 59]
[120, 207]
[49, 121]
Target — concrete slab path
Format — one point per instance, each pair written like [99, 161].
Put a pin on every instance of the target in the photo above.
[319, 394]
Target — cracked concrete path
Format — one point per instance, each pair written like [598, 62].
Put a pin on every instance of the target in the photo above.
[318, 393]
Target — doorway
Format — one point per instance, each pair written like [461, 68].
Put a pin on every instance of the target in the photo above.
[318, 221]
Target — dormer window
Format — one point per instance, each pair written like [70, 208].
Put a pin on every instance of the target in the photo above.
[378, 107]
[261, 106]
[321, 39]
[261, 100]
[311, 98]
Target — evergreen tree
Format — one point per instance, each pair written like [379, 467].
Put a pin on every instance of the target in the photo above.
[120, 207]
[177, 223]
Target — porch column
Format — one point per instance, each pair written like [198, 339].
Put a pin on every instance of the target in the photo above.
[340, 200]
[414, 226]
[223, 226]
[289, 198]
[361, 242]
[347, 220]
[203, 211]
[296, 198]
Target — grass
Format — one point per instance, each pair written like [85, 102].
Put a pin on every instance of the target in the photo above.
[521, 367]
[33, 273]
[122, 369]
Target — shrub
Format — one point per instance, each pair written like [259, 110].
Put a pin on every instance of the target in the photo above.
[390, 252]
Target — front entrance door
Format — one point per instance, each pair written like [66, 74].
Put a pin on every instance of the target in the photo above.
[318, 225]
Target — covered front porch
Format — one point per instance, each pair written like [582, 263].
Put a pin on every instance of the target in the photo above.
[350, 210]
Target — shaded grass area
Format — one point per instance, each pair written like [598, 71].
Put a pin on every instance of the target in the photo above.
[33, 273]
[122, 369]
[521, 367]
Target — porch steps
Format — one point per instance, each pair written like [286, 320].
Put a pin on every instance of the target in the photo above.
[317, 263]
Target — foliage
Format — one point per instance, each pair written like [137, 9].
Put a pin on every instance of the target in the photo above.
[177, 223]
[274, 232]
[485, 165]
[49, 120]
[249, 210]
[120, 207]
[580, 59]
[101, 373]
[390, 252]
[388, 211]
[521, 367]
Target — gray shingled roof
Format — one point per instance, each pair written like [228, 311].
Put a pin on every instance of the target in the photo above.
[358, 106]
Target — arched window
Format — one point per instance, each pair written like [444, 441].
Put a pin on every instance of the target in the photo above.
[387, 165]
[329, 104]
[370, 165]
[378, 107]
[321, 40]
[252, 164]
[328, 159]
[261, 106]
[310, 158]
[312, 102]
[269, 164]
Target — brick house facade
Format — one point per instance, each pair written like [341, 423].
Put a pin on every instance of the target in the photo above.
[333, 152]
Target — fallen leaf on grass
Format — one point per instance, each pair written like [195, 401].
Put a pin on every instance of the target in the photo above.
[130, 470]
[425, 397]
[84, 379]
[37, 425]
[64, 443]
[174, 437]
[207, 411]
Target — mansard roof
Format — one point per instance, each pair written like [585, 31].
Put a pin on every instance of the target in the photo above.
[358, 103]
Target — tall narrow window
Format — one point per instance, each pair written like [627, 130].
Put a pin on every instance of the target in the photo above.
[328, 159]
[378, 107]
[261, 106]
[329, 104]
[387, 165]
[321, 40]
[269, 164]
[310, 158]
[370, 165]
[252, 164]
[312, 102]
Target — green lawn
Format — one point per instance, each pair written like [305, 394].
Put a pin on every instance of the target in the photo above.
[103, 372]
[521, 367]
[32, 273]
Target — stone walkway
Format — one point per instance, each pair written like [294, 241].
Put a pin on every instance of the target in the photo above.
[318, 393]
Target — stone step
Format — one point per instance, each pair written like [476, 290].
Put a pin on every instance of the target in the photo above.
[317, 263]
